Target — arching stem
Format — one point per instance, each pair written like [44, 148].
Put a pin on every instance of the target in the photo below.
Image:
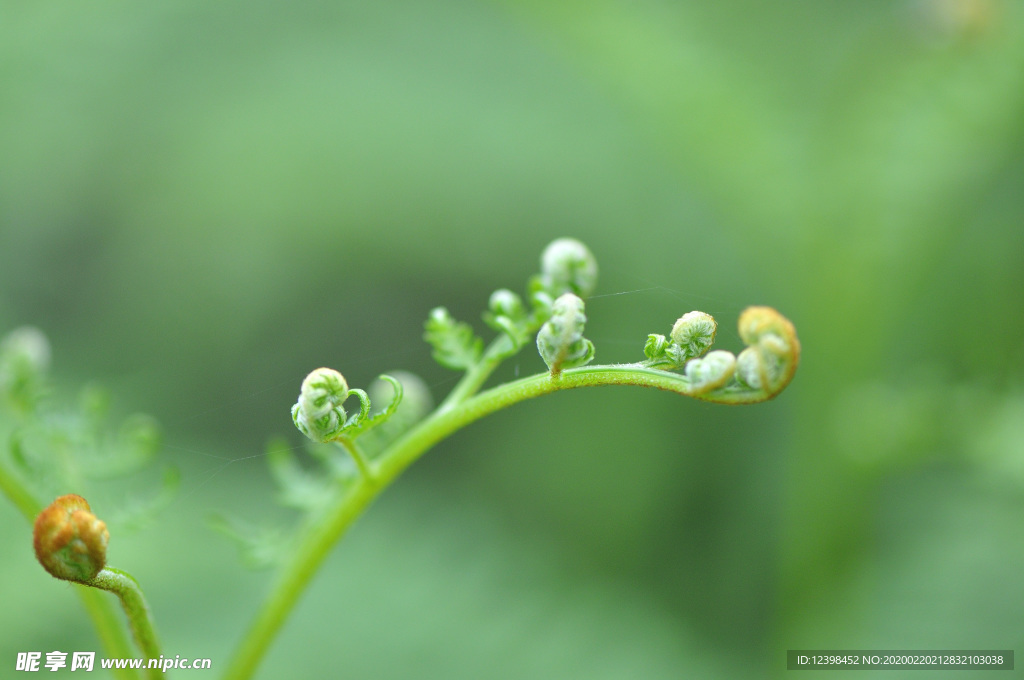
[321, 533]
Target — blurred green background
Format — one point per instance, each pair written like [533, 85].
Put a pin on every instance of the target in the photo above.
[202, 201]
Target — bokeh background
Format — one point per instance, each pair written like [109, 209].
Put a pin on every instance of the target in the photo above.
[201, 201]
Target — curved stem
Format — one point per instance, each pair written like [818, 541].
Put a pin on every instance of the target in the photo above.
[327, 527]
[414, 444]
[108, 627]
[140, 618]
[361, 461]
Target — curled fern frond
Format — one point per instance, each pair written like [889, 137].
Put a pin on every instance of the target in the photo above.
[560, 341]
[773, 351]
[692, 334]
[759, 372]
[70, 542]
[319, 412]
[711, 371]
[505, 313]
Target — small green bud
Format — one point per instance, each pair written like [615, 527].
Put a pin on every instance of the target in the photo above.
[24, 360]
[506, 314]
[560, 341]
[318, 413]
[568, 266]
[69, 541]
[710, 371]
[692, 335]
[504, 302]
[26, 347]
[655, 347]
[694, 332]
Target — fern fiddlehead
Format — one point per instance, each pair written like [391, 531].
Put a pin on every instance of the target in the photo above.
[71, 544]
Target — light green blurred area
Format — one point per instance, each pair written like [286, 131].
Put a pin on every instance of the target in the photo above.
[200, 202]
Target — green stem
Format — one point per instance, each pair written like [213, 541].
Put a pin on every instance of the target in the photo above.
[362, 462]
[140, 618]
[499, 350]
[313, 547]
[104, 617]
[321, 534]
[108, 627]
[15, 490]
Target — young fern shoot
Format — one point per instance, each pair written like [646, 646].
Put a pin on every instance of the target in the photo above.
[553, 312]
[71, 544]
[560, 341]
[49, 448]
